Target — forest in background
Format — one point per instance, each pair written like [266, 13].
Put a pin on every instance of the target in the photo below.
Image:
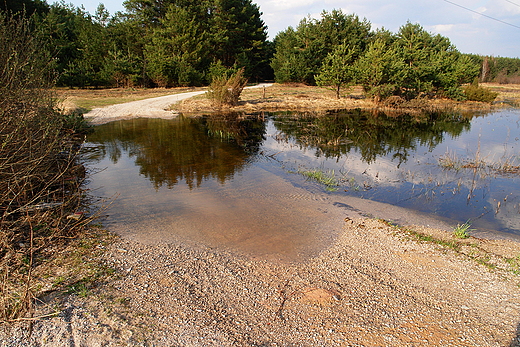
[169, 43]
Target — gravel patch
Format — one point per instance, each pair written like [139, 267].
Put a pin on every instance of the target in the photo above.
[372, 287]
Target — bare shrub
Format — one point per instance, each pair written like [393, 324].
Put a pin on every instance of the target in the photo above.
[39, 177]
[225, 91]
[502, 78]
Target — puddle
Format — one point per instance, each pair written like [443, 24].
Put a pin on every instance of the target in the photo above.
[240, 184]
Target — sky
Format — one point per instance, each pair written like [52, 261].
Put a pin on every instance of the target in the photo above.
[486, 27]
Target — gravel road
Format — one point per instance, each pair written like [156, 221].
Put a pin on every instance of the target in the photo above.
[151, 108]
[372, 287]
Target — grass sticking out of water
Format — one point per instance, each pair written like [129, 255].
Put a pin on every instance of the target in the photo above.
[461, 231]
[450, 161]
[328, 179]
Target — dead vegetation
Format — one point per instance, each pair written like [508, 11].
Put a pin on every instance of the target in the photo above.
[41, 200]
[300, 97]
[282, 97]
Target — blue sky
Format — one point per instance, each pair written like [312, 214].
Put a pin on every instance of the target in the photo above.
[490, 27]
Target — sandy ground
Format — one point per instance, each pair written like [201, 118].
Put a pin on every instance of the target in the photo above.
[374, 285]
[159, 107]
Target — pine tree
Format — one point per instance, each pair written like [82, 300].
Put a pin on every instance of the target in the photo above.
[337, 71]
[178, 51]
[300, 52]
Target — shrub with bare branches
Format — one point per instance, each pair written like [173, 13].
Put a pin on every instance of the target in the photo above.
[39, 174]
[225, 91]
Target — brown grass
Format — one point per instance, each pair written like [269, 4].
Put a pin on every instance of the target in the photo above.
[88, 99]
[300, 97]
[508, 94]
[279, 97]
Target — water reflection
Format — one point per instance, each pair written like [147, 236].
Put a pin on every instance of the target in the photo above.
[235, 181]
[373, 135]
[396, 160]
[192, 150]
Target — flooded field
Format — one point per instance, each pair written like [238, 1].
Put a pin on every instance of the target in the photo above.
[280, 184]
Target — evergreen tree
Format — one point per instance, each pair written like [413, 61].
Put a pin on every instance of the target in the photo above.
[431, 64]
[229, 31]
[25, 7]
[238, 35]
[125, 64]
[301, 52]
[288, 63]
[80, 43]
[337, 71]
[379, 68]
[177, 53]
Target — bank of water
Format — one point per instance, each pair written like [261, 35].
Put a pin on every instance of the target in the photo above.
[244, 182]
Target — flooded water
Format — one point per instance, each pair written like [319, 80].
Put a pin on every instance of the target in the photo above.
[245, 183]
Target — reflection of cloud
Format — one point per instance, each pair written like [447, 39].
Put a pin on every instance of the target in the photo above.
[352, 165]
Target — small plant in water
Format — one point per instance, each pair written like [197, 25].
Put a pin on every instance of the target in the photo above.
[450, 161]
[461, 231]
[328, 179]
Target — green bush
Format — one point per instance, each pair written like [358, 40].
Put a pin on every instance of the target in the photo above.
[474, 92]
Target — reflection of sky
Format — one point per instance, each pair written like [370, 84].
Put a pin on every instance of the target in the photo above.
[420, 183]
[489, 201]
[254, 211]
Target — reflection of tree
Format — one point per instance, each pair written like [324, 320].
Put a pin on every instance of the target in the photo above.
[188, 149]
[248, 134]
[371, 134]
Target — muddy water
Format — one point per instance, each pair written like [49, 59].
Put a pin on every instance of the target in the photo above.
[236, 197]
[239, 183]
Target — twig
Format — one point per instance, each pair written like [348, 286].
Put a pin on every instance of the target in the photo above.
[284, 296]
[28, 301]
[32, 319]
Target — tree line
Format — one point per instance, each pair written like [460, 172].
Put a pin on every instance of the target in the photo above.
[162, 43]
[168, 43]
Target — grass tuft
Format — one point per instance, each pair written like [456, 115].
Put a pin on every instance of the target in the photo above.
[461, 231]
[328, 179]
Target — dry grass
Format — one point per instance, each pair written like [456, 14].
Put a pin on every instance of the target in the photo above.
[503, 166]
[508, 94]
[88, 99]
[279, 97]
[282, 97]
[299, 97]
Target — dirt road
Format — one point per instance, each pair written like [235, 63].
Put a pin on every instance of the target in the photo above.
[152, 108]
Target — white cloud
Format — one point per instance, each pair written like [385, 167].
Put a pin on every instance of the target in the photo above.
[443, 29]
[284, 5]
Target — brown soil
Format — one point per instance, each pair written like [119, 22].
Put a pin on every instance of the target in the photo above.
[375, 285]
